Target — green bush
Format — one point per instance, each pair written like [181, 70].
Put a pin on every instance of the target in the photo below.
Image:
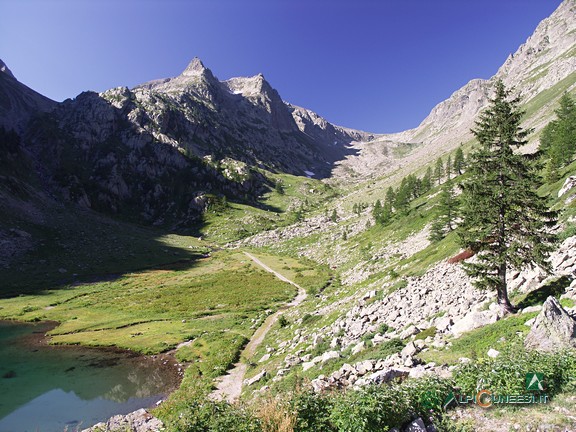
[312, 412]
[506, 374]
[430, 331]
[206, 416]
[384, 328]
[369, 409]
[390, 347]
[282, 321]
[308, 319]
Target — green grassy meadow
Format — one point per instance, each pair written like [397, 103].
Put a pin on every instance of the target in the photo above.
[153, 310]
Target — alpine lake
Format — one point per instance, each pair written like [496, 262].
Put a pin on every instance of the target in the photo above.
[45, 388]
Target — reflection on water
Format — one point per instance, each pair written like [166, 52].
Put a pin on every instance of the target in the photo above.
[45, 389]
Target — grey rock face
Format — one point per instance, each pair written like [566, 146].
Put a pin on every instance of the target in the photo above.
[553, 328]
[153, 153]
[4, 69]
[543, 61]
[137, 421]
[568, 185]
[18, 102]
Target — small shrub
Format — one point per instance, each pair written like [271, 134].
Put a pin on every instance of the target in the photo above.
[367, 338]
[430, 331]
[390, 347]
[282, 321]
[308, 319]
[275, 416]
[385, 328]
[506, 373]
[312, 412]
[320, 348]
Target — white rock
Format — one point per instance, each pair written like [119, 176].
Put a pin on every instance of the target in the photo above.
[473, 320]
[318, 339]
[493, 353]
[386, 375]
[442, 324]
[358, 348]
[307, 365]
[409, 350]
[379, 338]
[529, 309]
[255, 378]
[264, 358]
[329, 355]
[410, 331]
[569, 184]
[364, 367]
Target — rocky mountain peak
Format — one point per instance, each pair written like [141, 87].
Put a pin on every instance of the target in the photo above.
[195, 68]
[4, 69]
[249, 86]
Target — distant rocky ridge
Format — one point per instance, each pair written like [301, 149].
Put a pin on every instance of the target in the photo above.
[18, 102]
[540, 71]
[158, 152]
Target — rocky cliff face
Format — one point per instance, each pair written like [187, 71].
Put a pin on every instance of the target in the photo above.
[156, 152]
[18, 102]
[242, 118]
[540, 71]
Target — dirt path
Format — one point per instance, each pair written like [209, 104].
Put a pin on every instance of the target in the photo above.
[229, 386]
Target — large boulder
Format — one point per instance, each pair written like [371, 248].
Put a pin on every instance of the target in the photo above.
[137, 421]
[474, 320]
[568, 185]
[553, 328]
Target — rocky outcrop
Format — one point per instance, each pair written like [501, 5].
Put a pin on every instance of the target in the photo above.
[137, 421]
[545, 61]
[154, 152]
[553, 329]
[567, 187]
[437, 299]
[19, 103]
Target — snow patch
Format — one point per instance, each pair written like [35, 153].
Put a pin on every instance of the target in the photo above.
[309, 174]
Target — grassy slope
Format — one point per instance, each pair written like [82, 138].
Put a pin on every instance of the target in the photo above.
[153, 310]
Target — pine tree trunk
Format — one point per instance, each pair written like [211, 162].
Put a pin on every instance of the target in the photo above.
[502, 291]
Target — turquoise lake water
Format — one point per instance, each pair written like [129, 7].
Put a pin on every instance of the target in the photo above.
[52, 389]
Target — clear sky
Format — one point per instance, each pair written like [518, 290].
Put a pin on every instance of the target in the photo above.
[376, 65]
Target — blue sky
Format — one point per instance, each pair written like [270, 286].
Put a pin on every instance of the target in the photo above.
[376, 65]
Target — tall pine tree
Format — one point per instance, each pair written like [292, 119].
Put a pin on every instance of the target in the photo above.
[558, 139]
[447, 212]
[439, 170]
[505, 222]
[458, 161]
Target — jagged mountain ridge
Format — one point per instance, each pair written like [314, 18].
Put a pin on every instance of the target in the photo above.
[153, 152]
[242, 118]
[540, 71]
[19, 102]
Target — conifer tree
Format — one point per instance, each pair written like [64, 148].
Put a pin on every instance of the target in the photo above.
[427, 180]
[505, 223]
[402, 198]
[390, 196]
[449, 167]
[334, 216]
[377, 210]
[458, 161]
[447, 212]
[439, 171]
[558, 139]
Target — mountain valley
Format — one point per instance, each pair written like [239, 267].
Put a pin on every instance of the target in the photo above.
[182, 216]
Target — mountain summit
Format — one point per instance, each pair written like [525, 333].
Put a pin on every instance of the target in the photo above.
[4, 69]
[195, 67]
